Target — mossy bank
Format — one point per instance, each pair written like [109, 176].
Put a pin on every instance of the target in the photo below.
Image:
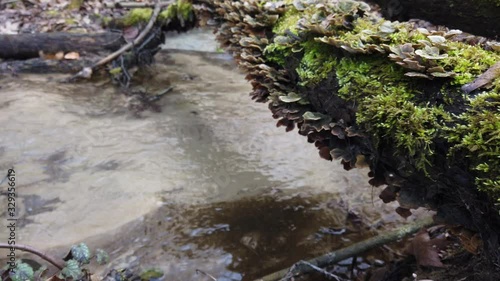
[418, 103]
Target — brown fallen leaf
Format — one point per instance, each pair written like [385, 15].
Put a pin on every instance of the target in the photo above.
[130, 33]
[389, 194]
[425, 250]
[404, 212]
[471, 241]
[484, 79]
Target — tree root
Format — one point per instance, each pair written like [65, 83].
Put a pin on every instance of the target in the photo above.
[352, 250]
[29, 249]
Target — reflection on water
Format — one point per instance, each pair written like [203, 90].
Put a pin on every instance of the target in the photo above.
[243, 239]
[207, 183]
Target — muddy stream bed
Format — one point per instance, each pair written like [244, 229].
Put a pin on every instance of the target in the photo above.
[208, 183]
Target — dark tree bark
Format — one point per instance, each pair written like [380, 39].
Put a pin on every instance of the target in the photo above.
[480, 17]
[25, 46]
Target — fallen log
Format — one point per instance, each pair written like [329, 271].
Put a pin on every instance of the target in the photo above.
[399, 96]
[26, 46]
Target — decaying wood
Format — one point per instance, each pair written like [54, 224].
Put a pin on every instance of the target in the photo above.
[26, 46]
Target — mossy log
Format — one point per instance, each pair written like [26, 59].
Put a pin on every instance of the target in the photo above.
[420, 104]
[28, 53]
[481, 17]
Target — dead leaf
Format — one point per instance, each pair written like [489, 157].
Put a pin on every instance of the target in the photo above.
[130, 33]
[470, 241]
[405, 213]
[72, 56]
[424, 250]
[389, 194]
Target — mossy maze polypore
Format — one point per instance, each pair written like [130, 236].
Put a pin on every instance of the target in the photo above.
[376, 63]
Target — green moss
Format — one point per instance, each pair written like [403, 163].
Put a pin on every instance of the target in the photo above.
[287, 21]
[277, 53]
[317, 63]
[479, 137]
[369, 59]
[467, 61]
[137, 15]
[181, 9]
[151, 274]
[359, 77]
[396, 119]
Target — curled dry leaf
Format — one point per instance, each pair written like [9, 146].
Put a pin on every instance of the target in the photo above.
[425, 250]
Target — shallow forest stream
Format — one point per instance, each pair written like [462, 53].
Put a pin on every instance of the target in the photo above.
[208, 183]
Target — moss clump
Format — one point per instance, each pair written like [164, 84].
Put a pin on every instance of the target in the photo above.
[287, 21]
[392, 116]
[467, 61]
[182, 10]
[479, 137]
[368, 76]
[277, 53]
[379, 66]
[137, 15]
[151, 274]
[317, 62]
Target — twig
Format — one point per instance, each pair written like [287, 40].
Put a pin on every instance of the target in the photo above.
[303, 265]
[158, 6]
[29, 249]
[206, 274]
[130, 5]
[355, 249]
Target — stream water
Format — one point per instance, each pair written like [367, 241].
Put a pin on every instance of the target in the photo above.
[207, 183]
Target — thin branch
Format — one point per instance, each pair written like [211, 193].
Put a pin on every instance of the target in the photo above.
[158, 6]
[355, 249]
[156, 11]
[131, 5]
[206, 274]
[29, 249]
